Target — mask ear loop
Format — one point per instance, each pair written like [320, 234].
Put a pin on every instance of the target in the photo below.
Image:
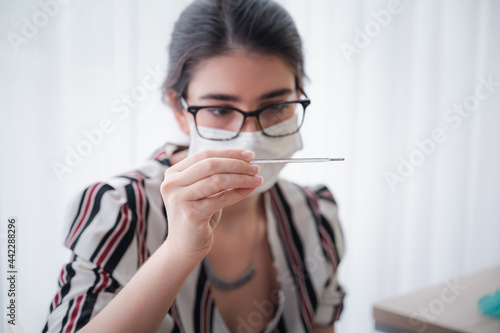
[185, 107]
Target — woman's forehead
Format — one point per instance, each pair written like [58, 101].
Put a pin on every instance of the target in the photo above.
[241, 74]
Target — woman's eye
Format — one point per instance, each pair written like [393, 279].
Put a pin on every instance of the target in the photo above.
[278, 107]
[219, 111]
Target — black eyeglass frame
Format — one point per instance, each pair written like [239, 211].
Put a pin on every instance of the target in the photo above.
[194, 110]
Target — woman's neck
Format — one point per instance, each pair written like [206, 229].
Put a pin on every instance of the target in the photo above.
[249, 210]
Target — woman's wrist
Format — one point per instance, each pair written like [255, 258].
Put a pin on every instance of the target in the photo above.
[185, 258]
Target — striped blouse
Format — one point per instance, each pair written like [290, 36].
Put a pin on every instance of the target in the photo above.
[116, 225]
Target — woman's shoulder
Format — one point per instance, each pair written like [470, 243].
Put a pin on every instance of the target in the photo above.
[125, 189]
[291, 191]
[303, 203]
[150, 170]
[314, 202]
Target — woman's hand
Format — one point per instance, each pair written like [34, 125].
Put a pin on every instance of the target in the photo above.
[195, 191]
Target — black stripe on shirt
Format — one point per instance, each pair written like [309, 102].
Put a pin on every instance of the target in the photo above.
[146, 219]
[312, 199]
[66, 317]
[300, 249]
[319, 220]
[78, 212]
[106, 237]
[129, 176]
[331, 236]
[295, 236]
[164, 161]
[90, 300]
[281, 325]
[197, 313]
[298, 272]
[128, 237]
[176, 329]
[174, 313]
[134, 197]
[324, 193]
[105, 241]
[164, 211]
[70, 273]
[210, 315]
[142, 222]
[87, 308]
[161, 157]
[95, 209]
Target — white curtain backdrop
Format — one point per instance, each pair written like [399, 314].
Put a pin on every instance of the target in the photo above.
[407, 91]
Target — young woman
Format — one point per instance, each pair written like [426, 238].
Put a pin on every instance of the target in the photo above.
[201, 239]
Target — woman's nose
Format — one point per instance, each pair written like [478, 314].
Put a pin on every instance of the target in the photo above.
[251, 125]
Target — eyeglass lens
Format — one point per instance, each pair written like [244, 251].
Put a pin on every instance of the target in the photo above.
[221, 123]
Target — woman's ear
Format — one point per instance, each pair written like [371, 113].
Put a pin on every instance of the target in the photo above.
[179, 112]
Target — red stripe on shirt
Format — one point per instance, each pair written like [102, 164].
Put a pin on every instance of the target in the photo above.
[177, 319]
[90, 198]
[62, 282]
[104, 281]
[313, 200]
[295, 257]
[142, 222]
[339, 308]
[124, 222]
[55, 303]
[324, 237]
[74, 314]
[160, 154]
[136, 175]
[205, 309]
[328, 246]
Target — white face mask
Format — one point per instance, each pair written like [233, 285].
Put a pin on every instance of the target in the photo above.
[264, 147]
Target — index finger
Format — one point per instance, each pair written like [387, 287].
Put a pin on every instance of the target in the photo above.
[240, 154]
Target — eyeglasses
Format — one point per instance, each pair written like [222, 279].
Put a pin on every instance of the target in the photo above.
[222, 123]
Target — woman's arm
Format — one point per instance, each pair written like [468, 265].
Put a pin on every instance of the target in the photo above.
[143, 303]
[194, 192]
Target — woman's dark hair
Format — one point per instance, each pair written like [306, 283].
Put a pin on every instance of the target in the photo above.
[209, 28]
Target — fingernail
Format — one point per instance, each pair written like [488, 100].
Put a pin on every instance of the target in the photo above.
[248, 155]
[258, 179]
[254, 168]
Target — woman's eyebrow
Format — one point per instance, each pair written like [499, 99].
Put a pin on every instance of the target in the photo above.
[234, 98]
[221, 97]
[276, 93]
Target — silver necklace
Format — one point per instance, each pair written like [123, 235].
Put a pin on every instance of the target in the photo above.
[231, 284]
[237, 282]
